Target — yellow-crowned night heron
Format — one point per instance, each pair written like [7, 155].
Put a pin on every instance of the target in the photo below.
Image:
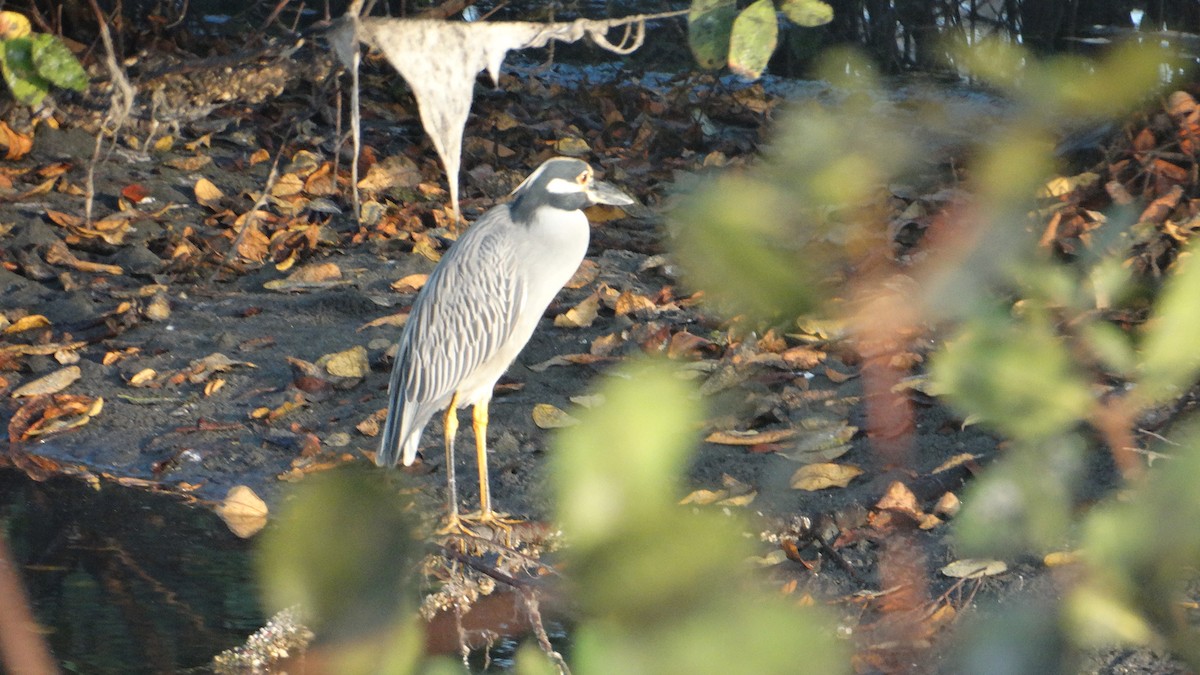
[479, 308]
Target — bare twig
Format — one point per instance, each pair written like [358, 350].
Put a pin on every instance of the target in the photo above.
[539, 630]
[119, 107]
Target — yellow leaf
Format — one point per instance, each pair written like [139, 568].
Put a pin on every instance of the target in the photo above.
[546, 416]
[142, 377]
[213, 386]
[1061, 558]
[13, 25]
[244, 512]
[29, 322]
[957, 460]
[572, 146]
[410, 284]
[287, 185]
[207, 193]
[632, 303]
[204, 141]
[974, 568]
[349, 363]
[396, 320]
[164, 144]
[581, 315]
[821, 476]
[1064, 185]
[704, 497]
[750, 437]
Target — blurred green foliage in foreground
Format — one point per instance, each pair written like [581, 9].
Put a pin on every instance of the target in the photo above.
[656, 589]
[1028, 340]
[660, 589]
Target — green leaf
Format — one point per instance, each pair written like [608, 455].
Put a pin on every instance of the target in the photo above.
[753, 39]
[57, 64]
[16, 61]
[807, 13]
[1018, 376]
[1171, 360]
[709, 24]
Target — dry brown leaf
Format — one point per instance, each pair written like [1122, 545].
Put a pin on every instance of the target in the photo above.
[164, 143]
[289, 184]
[948, 505]
[899, 499]
[207, 193]
[318, 275]
[546, 416]
[815, 477]
[974, 568]
[64, 219]
[581, 315]
[53, 413]
[821, 437]
[1061, 558]
[395, 171]
[252, 244]
[244, 512]
[58, 254]
[18, 145]
[704, 497]
[143, 377]
[606, 344]
[410, 284]
[586, 274]
[28, 322]
[685, 344]
[49, 384]
[427, 247]
[397, 320]
[802, 358]
[199, 370]
[632, 303]
[558, 360]
[750, 437]
[204, 141]
[956, 460]
[588, 400]
[259, 156]
[189, 164]
[349, 363]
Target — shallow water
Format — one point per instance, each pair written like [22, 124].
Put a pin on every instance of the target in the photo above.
[127, 581]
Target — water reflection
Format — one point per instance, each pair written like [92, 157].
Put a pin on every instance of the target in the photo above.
[125, 581]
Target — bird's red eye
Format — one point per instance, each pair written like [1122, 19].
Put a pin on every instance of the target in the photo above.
[582, 178]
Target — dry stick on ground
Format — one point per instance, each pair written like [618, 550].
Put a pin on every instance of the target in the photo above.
[252, 215]
[119, 107]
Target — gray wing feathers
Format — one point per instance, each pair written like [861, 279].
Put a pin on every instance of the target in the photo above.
[460, 319]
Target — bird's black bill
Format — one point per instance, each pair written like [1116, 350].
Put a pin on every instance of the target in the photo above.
[603, 193]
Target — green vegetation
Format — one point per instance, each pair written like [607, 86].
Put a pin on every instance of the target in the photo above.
[32, 63]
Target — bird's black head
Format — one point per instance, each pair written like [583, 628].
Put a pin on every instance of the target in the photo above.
[563, 183]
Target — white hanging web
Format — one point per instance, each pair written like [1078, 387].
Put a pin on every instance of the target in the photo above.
[440, 59]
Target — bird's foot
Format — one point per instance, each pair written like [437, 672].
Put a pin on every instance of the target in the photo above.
[498, 525]
[456, 526]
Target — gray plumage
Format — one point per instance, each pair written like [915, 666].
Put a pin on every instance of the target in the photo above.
[483, 301]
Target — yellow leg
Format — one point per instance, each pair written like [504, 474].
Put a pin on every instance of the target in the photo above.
[479, 422]
[454, 526]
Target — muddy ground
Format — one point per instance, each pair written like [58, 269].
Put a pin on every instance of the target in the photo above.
[197, 440]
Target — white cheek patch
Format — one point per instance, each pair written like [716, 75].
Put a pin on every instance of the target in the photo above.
[558, 186]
